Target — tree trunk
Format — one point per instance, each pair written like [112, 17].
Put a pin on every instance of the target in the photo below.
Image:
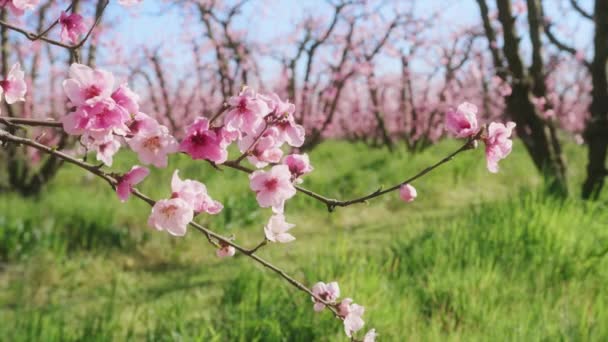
[596, 130]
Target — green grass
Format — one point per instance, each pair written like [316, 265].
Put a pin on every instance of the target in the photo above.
[476, 257]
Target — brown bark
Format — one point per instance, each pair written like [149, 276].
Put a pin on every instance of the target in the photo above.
[596, 130]
[537, 134]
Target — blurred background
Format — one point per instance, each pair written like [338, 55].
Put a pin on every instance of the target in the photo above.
[518, 255]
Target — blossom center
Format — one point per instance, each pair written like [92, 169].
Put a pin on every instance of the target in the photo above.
[92, 91]
[169, 211]
[152, 143]
[271, 184]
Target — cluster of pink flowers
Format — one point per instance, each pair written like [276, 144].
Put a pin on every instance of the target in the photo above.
[189, 197]
[462, 123]
[350, 312]
[106, 114]
[13, 87]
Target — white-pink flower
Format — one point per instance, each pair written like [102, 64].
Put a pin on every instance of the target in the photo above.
[87, 86]
[498, 144]
[172, 215]
[195, 194]
[14, 86]
[407, 193]
[276, 229]
[370, 336]
[128, 180]
[72, 26]
[103, 142]
[299, 165]
[462, 122]
[246, 112]
[204, 142]
[327, 292]
[353, 320]
[281, 116]
[225, 250]
[272, 187]
[126, 98]
[352, 314]
[153, 146]
[263, 150]
[103, 116]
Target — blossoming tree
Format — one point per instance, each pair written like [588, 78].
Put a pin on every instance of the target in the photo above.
[104, 115]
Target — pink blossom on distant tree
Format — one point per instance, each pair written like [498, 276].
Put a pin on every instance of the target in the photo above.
[172, 215]
[276, 229]
[195, 194]
[273, 187]
[72, 26]
[130, 179]
[498, 144]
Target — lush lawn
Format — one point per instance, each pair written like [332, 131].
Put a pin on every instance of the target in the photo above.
[476, 257]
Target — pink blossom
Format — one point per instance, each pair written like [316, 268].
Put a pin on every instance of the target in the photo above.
[103, 116]
[14, 86]
[498, 144]
[370, 336]
[281, 116]
[276, 229]
[103, 142]
[195, 194]
[152, 147]
[202, 142]
[18, 7]
[353, 321]
[265, 149]
[407, 193]
[128, 180]
[298, 164]
[272, 187]
[246, 112]
[107, 149]
[172, 215]
[72, 26]
[87, 86]
[142, 123]
[462, 122]
[327, 292]
[126, 98]
[225, 250]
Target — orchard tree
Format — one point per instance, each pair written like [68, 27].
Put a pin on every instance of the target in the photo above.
[538, 134]
[105, 115]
